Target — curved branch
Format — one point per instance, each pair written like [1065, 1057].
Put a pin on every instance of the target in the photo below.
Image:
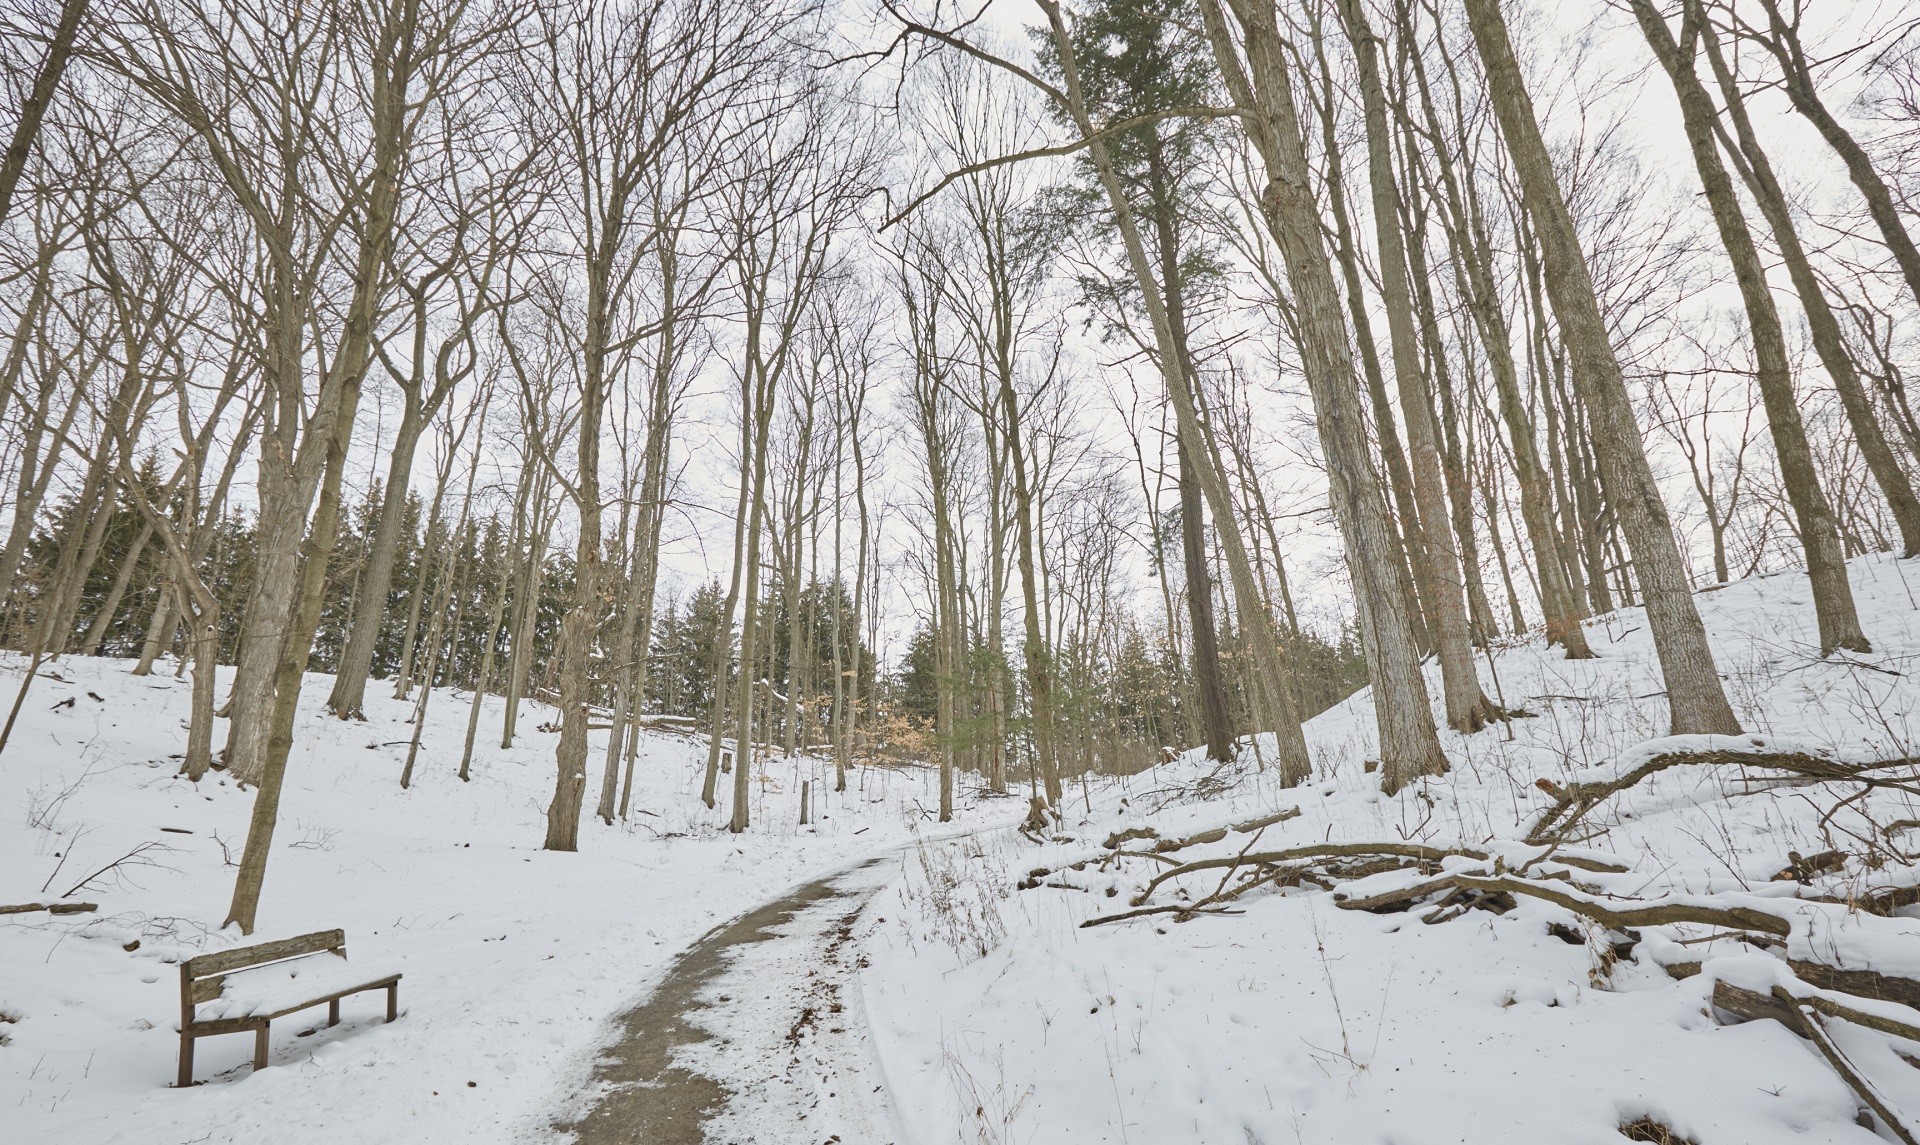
[1125, 125]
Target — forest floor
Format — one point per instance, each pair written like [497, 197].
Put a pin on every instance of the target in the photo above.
[1001, 1017]
[517, 961]
[880, 978]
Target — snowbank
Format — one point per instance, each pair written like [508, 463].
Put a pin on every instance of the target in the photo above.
[1297, 1021]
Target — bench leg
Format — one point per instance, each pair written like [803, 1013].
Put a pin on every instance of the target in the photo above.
[186, 1060]
[260, 1046]
[333, 1012]
[393, 1002]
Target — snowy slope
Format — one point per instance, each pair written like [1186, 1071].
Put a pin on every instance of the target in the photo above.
[515, 959]
[1000, 1019]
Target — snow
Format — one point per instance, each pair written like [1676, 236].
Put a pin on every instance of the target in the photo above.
[1297, 1021]
[516, 960]
[974, 1011]
[282, 986]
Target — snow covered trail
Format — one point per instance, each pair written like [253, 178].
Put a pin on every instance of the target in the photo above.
[767, 990]
[517, 960]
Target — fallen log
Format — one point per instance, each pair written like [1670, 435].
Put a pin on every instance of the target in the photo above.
[1886, 900]
[1802, 869]
[51, 908]
[1803, 1017]
[1573, 801]
[1658, 914]
[1312, 851]
[1252, 825]
[1597, 866]
[1213, 836]
[1859, 983]
[1120, 839]
[1389, 902]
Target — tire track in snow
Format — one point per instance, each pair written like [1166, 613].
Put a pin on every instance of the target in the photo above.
[748, 1039]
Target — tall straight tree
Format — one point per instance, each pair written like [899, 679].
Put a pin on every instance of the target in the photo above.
[1069, 97]
[1262, 95]
[1009, 254]
[1696, 701]
[461, 235]
[1468, 709]
[1465, 226]
[784, 210]
[617, 89]
[1141, 67]
[935, 422]
[1839, 622]
[1756, 171]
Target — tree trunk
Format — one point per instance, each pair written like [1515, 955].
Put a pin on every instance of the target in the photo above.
[1473, 261]
[1782, 40]
[495, 614]
[1756, 171]
[1295, 765]
[1839, 622]
[1468, 709]
[33, 108]
[1403, 519]
[356, 658]
[1409, 744]
[1211, 691]
[1696, 700]
[97, 631]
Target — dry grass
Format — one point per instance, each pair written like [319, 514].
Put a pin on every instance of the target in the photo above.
[1647, 1129]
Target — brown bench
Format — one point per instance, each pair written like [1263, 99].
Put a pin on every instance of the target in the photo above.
[247, 987]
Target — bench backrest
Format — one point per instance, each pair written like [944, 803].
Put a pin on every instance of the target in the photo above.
[202, 978]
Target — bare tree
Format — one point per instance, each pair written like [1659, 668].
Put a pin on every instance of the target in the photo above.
[1696, 701]
[1819, 534]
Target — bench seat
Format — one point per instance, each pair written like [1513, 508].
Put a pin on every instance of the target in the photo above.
[284, 987]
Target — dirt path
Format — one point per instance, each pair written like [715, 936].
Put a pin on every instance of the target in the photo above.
[747, 1040]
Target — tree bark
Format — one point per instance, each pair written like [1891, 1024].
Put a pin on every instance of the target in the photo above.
[1473, 261]
[1215, 721]
[1839, 622]
[1468, 709]
[1696, 701]
[1295, 765]
[1409, 744]
[356, 657]
[33, 109]
[1756, 171]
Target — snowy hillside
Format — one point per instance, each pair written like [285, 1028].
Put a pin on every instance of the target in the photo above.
[995, 1014]
[515, 959]
[1285, 1018]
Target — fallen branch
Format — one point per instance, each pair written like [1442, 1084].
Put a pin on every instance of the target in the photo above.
[135, 858]
[1859, 983]
[1886, 900]
[1396, 900]
[1752, 1004]
[1803, 1017]
[1573, 801]
[1658, 914]
[1313, 851]
[51, 907]
[1186, 911]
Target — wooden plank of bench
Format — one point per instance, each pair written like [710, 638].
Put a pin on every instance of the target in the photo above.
[239, 958]
[214, 1026]
[334, 996]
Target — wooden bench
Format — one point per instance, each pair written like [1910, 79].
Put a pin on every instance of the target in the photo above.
[247, 987]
